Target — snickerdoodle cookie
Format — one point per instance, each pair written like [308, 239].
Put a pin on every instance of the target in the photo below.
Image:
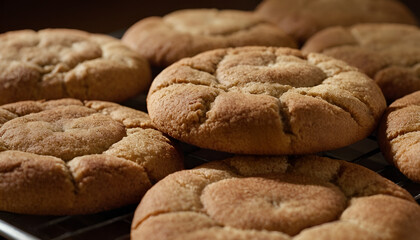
[399, 135]
[301, 19]
[69, 157]
[265, 100]
[388, 53]
[58, 63]
[280, 198]
[185, 33]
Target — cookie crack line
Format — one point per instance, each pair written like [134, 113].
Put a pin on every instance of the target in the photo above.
[142, 122]
[218, 65]
[322, 98]
[146, 171]
[401, 134]
[208, 106]
[407, 145]
[72, 179]
[285, 117]
[291, 164]
[16, 167]
[363, 101]
[334, 180]
[392, 108]
[183, 82]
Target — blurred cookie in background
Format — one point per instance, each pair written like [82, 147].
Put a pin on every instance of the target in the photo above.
[388, 53]
[303, 18]
[59, 63]
[185, 33]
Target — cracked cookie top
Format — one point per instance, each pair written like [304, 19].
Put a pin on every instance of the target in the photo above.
[265, 100]
[185, 33]
[301, 19]
[69, 157]
[399, 135]
[57, 63]
[388, 53]
[247, 197]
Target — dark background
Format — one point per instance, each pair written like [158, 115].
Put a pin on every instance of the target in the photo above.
[107, 16]
[97, 16]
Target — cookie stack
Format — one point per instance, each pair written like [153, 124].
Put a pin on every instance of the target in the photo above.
[232, 81]
[270, 101]
[274, 105]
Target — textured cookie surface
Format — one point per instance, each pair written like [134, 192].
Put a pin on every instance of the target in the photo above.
[388, 53]
[185, 33]
[58, 63]
[247, 197]
[399, 135]
[68, 157]
[264, 100]
[303, 18]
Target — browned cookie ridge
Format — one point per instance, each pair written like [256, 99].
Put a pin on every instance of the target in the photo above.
[69, 157]
[388, 53]
[185, 33]
[58, 63]
[265, 100]
[303, 18]
[399, 135]
[279, 198]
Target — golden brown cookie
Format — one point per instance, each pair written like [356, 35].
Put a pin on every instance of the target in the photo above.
[388, 53]
[301, 19]
[185, 33]
[69, 157]
[264, 100]
[58, 63]
[248, 197]
[399, 135]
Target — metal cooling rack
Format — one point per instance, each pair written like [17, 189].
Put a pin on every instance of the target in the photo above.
[115, 224]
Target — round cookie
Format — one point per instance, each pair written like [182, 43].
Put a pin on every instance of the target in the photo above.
[59, 63]
[185, 33]
[246, 197]
[399, 135]
[388, 53]
[264, 100]
[68, 157]
[301, 19]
